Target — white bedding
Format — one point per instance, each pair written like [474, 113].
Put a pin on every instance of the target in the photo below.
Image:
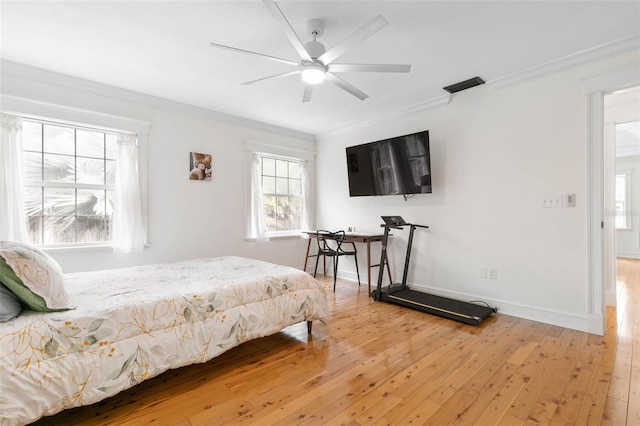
[132, 324]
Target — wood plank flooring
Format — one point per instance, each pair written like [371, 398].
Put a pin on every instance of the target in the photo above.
[376, 363]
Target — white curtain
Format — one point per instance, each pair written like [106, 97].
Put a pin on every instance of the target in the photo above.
[305, 223]
[128, 228]
[13, 223]
[257, 229]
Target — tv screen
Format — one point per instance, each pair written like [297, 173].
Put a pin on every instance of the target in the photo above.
[399, 165]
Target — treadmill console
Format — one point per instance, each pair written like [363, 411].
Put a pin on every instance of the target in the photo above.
[394, 220]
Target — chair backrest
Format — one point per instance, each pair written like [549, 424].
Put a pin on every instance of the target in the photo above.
[330, 241]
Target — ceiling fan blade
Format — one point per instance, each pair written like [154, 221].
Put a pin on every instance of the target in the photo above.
[288, 30]
[368, 68]
[346, 86]
[272, 77]
[308, 90]
[358, 36]
[248, 52]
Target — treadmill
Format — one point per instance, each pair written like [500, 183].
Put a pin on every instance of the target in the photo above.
[401, 294]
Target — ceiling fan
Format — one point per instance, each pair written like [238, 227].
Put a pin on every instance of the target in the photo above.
[316, 64]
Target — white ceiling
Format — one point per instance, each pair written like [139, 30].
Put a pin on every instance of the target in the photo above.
[161, 48]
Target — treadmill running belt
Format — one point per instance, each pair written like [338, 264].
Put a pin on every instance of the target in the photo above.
[468, 313]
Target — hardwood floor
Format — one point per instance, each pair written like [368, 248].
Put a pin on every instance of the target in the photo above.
[376, 363]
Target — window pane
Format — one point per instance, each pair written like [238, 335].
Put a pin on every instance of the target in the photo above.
[32, 200]
[268, 185]
[282, 186]
[32, 170]
[59, 168]
[295, 213]
[295, 187]
[269, 212]
[284, 214]
[58, 140]
[90, 144]
[90, 170]
[60, 201]
[111, 172]
[35, 229]
[90, 229]
[111, 147]
[91, 202]
[68, 155]
[31, 136]
[111, 201]
[59, 229]
[281, 168]
[268, 166]
[294, 170]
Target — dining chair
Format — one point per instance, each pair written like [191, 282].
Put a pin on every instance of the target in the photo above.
[331, 244]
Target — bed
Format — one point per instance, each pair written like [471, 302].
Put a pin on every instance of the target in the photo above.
[131, 324]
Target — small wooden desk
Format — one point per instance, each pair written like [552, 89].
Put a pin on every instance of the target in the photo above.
[354, 237]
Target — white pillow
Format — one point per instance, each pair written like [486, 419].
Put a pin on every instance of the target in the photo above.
[38, 274]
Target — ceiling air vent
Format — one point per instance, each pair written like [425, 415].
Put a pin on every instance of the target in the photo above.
[463, 85]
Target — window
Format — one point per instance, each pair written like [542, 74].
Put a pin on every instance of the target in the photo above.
[69, 178]
[622, 201]
[281, 194]
[279, 200]
[64, 177]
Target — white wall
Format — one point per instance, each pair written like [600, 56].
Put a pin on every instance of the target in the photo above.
[495, 152]
[186, 219]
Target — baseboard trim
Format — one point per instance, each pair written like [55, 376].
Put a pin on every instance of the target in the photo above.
[588, 323]
[628, 254]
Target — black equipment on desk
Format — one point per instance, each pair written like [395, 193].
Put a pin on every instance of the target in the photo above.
[401, 294]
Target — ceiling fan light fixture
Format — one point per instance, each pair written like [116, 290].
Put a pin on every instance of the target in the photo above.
[312, 73]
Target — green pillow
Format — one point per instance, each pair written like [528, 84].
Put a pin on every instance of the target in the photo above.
[33, 276]
[10, 306]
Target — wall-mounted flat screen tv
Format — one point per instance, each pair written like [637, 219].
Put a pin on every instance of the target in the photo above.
[395, 166]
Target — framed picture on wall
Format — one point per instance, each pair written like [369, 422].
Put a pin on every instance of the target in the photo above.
[199, 166]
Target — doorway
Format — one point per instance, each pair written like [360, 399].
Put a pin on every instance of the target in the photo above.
[621, 182]
[595, 89]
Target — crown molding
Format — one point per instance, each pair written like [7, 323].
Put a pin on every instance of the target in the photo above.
[587, 55]
[14, 69]
[574, 59]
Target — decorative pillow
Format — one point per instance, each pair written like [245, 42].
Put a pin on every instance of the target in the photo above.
[10, 306]
[33, 276]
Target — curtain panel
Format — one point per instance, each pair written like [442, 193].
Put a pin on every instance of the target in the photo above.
[13, 223]
[128, 226]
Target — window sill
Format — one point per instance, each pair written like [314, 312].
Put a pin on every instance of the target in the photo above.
[292, 236]
[79, 248]
[70, 249]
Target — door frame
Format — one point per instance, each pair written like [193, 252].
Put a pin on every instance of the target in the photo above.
[595, 88]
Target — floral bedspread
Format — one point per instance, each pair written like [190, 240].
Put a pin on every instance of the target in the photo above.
[132, 324]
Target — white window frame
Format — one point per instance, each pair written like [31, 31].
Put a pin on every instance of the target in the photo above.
[28, 108]
[275, 151]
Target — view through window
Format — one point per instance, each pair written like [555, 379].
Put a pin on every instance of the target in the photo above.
[69, 178]
[281, 194]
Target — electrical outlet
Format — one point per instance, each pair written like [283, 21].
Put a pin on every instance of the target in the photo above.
[482, 273]
[493, 274]
[570, 200]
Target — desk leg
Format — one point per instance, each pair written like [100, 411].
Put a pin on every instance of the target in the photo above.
[369, 266]
[306, 257]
